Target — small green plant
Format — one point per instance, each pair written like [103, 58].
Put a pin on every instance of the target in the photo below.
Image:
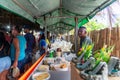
[104, 53]
[87, 50]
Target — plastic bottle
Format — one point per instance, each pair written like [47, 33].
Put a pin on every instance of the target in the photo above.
[51, 54]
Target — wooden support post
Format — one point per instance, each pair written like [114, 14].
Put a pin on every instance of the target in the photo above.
[76, 34]
[45, 26]
[68, 36]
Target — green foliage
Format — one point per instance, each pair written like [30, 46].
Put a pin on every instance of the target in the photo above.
[94, 25]
[118, 22]
[104, 53]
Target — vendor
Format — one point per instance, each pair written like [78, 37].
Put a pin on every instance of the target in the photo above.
[84, 39]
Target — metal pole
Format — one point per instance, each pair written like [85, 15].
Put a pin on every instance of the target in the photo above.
[45, 29]
[76, 34]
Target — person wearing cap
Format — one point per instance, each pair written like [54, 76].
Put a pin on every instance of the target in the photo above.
[84, 39]
[30, 45]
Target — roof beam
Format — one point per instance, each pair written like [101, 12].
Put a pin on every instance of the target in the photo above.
[60, 23]
[68, 24]
[61, 10]
[21, 6]
[63, 16]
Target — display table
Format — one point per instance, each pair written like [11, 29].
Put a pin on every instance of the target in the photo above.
[71, 74]
[59, 75]
[28, 73]
[75, 73]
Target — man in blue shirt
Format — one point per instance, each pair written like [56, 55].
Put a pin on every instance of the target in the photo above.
[42, 44]
[30, 44]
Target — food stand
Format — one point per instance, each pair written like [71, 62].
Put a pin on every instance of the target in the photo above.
[53, 67]
[70, 74]
[27, 74]
[64, 75]
[58, 16]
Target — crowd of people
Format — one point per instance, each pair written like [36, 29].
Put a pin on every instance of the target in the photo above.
[16, 50]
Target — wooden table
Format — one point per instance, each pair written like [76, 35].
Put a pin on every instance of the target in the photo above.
[75, 73]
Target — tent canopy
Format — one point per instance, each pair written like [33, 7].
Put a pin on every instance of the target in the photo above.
[57, 15]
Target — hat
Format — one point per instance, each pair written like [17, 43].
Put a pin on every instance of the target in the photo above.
[26, 27]
[82, 27]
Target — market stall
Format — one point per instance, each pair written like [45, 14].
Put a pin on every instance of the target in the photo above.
[59, 63]
[41, 67]
[55, 64]
[59, 16]
[27, 74]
